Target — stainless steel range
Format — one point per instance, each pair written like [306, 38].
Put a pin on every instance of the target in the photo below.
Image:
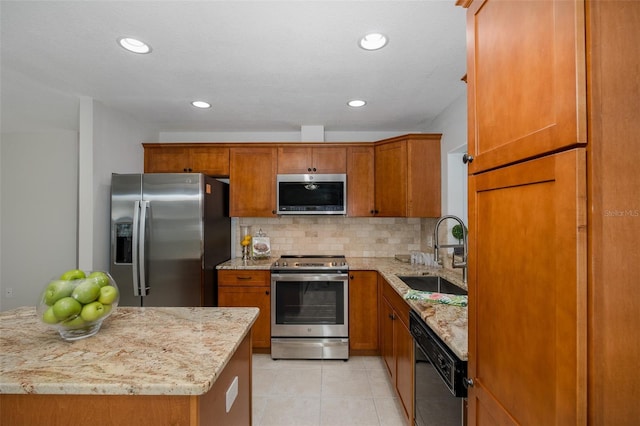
[310, 307]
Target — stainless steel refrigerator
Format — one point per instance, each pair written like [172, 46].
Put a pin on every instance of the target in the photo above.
[168, 233]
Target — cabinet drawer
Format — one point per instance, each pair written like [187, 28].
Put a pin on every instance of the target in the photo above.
[400, 306]
[244, 277]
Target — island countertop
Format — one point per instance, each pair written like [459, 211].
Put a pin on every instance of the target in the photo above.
[138, 351]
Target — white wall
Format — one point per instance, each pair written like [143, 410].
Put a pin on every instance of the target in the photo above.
[452, 123]
[117, 148]
[275, 136]
[55, 171]
[39, 212]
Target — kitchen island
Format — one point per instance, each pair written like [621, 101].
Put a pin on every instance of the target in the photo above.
[146, 366]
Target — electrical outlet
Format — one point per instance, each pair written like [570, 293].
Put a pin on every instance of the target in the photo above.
[8, 292]
[430, 241]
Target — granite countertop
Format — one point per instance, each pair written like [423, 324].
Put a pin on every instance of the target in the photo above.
[138, 351]
[450, 323]
[238, 263]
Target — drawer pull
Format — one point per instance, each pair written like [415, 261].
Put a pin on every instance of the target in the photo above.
[244, 278]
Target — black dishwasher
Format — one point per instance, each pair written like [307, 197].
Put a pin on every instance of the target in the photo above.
[439, 373]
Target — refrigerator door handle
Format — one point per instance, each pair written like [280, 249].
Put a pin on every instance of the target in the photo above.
[143, 288]
[135, 256]
[134, 246]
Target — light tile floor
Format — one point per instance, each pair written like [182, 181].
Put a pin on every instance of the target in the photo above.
[323, 392]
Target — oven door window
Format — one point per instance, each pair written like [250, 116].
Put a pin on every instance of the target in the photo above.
[309, 303]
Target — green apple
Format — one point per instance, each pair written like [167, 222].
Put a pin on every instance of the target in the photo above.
[66, 308]
[56, 290]
[108, 294]
[87, 291]
[73, 274]
[49, 317]
[73, 323]
[107, 308]
[92, 311]
[100, 277]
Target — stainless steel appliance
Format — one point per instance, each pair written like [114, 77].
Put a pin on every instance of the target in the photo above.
[439, 377]
[311, 193]
[168, 232]
[310, 307]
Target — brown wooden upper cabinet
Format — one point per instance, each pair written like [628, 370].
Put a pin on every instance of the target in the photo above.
[170, 158]
[252, 181]
[397, 177]
[305, 159]
[407, 176]
[527, 94]
[360, 181]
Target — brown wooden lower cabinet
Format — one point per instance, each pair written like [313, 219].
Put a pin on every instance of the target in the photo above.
[249, 288]
[363, 313]
[397, 345]
[139, 410]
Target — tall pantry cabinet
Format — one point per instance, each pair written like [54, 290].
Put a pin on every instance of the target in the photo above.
[613, 153]
[554, 211]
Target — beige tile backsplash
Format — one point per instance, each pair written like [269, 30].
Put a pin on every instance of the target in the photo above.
[353, 237]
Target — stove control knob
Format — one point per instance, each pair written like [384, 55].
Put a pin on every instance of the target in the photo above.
[284, 263]
[276, 263]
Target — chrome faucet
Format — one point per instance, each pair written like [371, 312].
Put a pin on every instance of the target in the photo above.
[437, 245]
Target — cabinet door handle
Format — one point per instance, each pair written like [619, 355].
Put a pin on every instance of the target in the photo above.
[466, 158]
[266, 292]
[467, 382]
[351, 277]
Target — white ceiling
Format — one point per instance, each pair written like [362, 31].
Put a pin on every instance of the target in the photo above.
[263, 65]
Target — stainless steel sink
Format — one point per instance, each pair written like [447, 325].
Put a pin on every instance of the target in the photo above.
[431, 283]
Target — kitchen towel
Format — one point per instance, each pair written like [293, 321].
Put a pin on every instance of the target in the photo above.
[428, 296]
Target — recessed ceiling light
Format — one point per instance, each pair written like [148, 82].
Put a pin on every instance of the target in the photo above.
[201, 104]
[134, 45]
[356, 103]
[373, 41]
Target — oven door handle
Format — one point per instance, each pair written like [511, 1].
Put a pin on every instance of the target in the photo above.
[318, 276]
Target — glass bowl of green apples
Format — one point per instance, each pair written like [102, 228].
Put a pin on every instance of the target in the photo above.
[77, 302]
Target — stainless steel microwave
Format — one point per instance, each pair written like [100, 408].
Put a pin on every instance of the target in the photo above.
[312, 193]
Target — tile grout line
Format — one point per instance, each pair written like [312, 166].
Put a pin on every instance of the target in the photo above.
[324, 368]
